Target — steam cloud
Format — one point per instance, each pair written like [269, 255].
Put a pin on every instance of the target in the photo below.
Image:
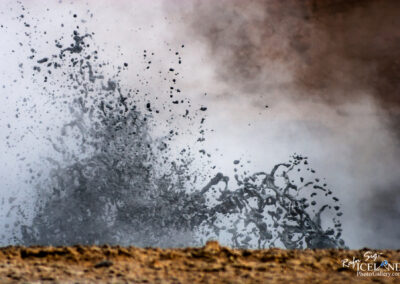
[315, 77]
[335, 60]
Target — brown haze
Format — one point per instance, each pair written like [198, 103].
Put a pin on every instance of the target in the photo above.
[334, 53]
[329, 44]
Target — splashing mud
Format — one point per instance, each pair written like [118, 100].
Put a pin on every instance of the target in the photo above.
[117, 182]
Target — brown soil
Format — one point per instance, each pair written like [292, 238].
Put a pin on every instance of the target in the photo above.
[210, 264]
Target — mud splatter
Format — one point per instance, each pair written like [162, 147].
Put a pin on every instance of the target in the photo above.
[116, 182]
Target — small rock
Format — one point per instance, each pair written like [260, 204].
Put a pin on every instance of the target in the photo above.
[212, 246]
[104, 263]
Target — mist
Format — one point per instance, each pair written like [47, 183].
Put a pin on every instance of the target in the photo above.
[278, 77]
[316, 77]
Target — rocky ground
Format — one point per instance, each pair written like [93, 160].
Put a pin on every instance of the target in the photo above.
[210, 264]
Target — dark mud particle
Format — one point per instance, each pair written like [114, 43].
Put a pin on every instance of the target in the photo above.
[203, 108]
[78, 44]
[148, 106]
[43, 60]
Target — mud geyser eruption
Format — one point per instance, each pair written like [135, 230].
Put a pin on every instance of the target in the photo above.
[119, 183]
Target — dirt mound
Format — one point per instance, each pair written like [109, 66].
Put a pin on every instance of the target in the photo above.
[210, 264]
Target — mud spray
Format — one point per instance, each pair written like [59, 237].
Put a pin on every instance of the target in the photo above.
[113, 177]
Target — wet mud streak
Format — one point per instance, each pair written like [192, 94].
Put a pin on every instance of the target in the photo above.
[278, 213]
